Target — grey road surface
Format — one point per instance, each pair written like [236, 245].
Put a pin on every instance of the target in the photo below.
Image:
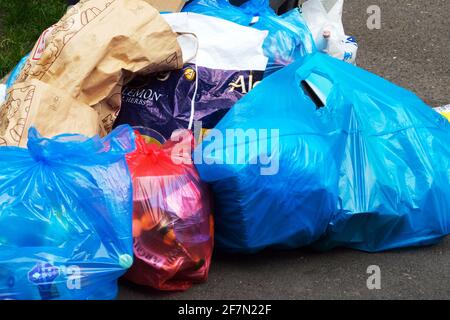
[412, 49]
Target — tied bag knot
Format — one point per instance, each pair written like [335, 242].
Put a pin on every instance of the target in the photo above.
[76, 148]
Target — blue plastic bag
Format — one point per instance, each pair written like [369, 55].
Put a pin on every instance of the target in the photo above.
[65, 216]
[289, 38]
[277, 186]
[393, 156]
[369, 170]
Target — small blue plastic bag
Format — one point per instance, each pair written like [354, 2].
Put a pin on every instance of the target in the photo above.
[65, 216]
[289, 37]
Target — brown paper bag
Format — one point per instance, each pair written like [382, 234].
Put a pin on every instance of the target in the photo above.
[95, 48]
[50, 110]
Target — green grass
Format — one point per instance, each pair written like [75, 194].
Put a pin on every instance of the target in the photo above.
[21, 23]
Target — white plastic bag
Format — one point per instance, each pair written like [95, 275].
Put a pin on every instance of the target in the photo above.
[324, 19]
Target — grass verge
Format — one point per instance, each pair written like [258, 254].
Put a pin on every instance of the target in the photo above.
[21, 23]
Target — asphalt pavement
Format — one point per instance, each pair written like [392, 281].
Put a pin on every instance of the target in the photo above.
[412, 49]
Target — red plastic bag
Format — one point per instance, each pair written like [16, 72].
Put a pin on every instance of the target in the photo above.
[172, 221]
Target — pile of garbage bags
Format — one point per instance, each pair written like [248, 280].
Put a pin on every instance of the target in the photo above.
[222, 125]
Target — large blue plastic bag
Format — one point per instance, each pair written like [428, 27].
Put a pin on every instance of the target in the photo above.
[65, 216]
[287, 196]
[289, 38]
[387, 152]
[393, 156]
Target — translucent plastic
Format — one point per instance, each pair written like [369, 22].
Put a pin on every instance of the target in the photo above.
[369, 170]
[289, 38]
[172, 222]
[65, 216]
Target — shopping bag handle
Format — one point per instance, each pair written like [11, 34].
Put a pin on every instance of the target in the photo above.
[309, 67]
[191, 117]
[180, 34]
[317, 91]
